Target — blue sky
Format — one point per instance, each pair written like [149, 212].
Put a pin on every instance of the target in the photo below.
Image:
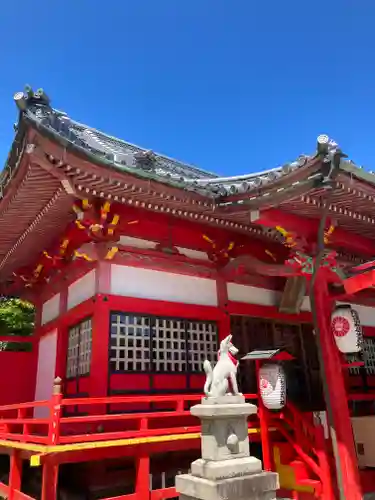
[231, 86]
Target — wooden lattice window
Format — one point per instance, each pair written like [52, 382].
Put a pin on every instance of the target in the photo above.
[130, 342]
[79, 349]
[368, 357]
[201, 343]
[168, 351]
[160, 344]
[303, 374]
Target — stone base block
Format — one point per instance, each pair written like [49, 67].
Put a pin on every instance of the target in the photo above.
[216, 410]
[237, 399]
[260, 486]
[224, 469]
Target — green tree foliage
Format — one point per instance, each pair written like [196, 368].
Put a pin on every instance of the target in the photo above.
[16, 317]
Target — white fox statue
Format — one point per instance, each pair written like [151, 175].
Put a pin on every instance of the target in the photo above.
[224, 376]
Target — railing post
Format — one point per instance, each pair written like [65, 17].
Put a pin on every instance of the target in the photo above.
[49, 481]
[15, 474]
[21, 414]
[143, 424]
[180, 403]
[142, 478]
[55, 413]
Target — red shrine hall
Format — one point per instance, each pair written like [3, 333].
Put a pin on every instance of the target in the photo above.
[138, 265]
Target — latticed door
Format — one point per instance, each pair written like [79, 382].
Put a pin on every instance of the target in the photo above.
[304, 385]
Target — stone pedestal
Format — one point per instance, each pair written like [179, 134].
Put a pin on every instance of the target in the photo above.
[226, 469]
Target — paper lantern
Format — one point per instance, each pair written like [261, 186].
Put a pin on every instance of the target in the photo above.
[272, 386]
[347, 330]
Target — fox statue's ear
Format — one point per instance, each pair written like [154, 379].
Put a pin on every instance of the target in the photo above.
[228, 339]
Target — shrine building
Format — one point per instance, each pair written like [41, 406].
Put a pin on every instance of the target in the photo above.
[138, 265]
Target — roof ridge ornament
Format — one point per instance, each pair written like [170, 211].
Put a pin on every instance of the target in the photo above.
[332, 155]
[28, 97]
[146, 159]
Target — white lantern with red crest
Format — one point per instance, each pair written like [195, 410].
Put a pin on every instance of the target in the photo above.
[272, 386]
[347, 330]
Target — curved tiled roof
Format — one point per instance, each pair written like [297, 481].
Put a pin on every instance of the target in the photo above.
[51, 151]
[297, 186]
[36, 110]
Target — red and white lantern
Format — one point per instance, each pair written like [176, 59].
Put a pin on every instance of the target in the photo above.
[347, 330]
[272, 386]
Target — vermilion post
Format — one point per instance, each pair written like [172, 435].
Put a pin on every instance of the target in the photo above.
[51, 471]
[336, 397]
[62, 349]
[142, 479]
[62, 335]
[49, 481]
[15, 474]
[99, 354]
[55, 413]
[222, 302]
[263, 424]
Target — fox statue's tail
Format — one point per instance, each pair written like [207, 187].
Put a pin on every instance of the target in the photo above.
[208, 369]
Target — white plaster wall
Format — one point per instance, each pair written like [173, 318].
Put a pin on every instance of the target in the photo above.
[366, 314]
[158, 285]
[262, 296]
[137, 242]
[252, 295]
[45, 371]
[51, 309]
[306, 304]
[193, 254]
[82, 289]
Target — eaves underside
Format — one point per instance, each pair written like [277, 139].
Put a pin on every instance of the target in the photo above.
[36, 205]
[40, 209]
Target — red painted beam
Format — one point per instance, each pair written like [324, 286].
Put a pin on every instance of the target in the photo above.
[290, 222]
[17, 338]
[266, 312]
[168, 229]
[308, 228]
[360, 282]
[112, 452]
[249, 264]
[161, 228]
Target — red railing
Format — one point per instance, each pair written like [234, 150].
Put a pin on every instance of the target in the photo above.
[6, 492]
[170, 415]
[361, 396]
[309, 444]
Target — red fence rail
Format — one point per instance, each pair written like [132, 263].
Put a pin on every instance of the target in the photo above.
[112, 418]
[309, 444]
[6, 491]
[162, 415]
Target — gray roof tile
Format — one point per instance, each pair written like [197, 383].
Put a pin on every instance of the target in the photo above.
[35, 109]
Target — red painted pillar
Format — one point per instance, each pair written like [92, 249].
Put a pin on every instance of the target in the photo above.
[222, 302]
[335, 395]
[49, 481]
[55, 413]
[142, 478]
[62, 337]
[224, 327]
[15, 474]
[100, 348]
[61, 350]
